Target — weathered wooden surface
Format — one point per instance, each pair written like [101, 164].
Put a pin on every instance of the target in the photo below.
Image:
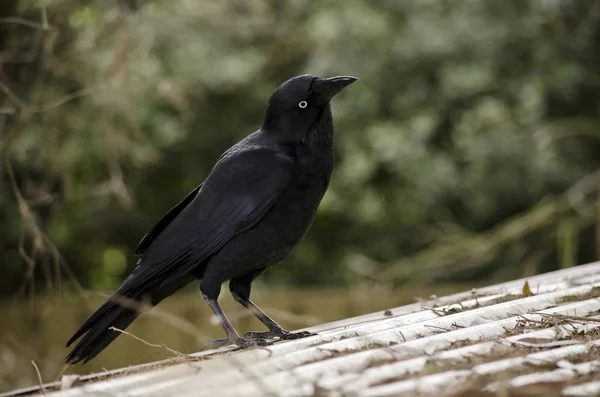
[482, 341]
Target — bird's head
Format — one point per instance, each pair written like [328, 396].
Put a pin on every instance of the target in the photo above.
[301, 102]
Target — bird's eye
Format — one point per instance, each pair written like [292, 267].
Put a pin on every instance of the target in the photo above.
[302, 104]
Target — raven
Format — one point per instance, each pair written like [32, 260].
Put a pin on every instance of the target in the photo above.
[256, 204]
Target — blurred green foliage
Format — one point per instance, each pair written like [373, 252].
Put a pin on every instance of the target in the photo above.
[471, 121]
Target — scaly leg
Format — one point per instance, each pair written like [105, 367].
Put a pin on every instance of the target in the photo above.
[210, 293]
[240, 289]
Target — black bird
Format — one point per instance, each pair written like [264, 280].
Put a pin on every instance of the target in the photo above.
[253, 208]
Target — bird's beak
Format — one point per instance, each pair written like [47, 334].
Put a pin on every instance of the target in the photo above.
[328, 88]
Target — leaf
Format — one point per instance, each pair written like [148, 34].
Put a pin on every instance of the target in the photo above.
[526, 289]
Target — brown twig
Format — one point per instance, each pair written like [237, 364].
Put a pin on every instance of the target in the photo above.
[568, 318]
[61, 101]
[25, 22]
[13, 98]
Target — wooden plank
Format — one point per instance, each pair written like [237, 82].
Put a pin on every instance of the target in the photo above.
[379, 354]
[588, 389]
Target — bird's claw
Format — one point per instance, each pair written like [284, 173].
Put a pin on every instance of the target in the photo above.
[244, 343]
[252, 335]
[217, 343]
[296, 335]
[261, 342]
[281, 334]
[241, 343]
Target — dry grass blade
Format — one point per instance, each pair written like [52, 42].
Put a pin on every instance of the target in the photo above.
[39, 376]
[176, 353]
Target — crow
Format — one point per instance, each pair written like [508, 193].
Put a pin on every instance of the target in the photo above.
[256, 204]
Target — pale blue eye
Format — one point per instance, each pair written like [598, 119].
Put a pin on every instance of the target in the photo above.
[302, 104]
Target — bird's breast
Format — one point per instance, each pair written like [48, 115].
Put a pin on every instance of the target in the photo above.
[299, 201]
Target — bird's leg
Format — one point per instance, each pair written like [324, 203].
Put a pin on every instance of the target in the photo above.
[275, 330]
[232, 336]
[240, 289]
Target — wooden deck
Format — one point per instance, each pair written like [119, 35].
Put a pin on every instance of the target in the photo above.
[497, 341]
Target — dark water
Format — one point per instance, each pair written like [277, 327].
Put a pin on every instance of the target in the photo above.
[37, 329]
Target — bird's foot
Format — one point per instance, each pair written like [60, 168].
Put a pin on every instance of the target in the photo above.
[277, 333]
[239, 342]
[217, 343]
[296, 335]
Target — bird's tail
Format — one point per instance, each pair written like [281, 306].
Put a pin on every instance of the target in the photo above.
[135, 296]
[98, 332]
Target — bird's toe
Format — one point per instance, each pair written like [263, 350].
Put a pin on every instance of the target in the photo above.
[244, 343]
[217, 343]
[261, 342]
[296, 335]
[252, 335]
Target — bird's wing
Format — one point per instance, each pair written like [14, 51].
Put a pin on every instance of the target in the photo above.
[240, 189]
[164, 222]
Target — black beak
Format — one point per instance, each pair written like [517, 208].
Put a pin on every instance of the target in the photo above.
[326, 89]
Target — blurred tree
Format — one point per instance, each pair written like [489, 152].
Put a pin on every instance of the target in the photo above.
[469, 114]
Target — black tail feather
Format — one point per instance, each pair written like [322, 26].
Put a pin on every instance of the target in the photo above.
[99, 335]
[119, 311]
[89, 323]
